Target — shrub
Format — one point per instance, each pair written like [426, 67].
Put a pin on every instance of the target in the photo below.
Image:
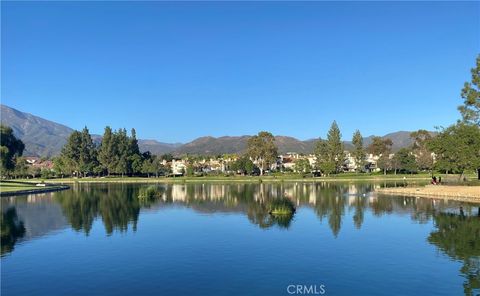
[281, 206]
[149, 193]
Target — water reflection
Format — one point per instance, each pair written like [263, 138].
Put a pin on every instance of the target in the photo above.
[344, 208]
[118, 206]
[458, 236]
[12, 229]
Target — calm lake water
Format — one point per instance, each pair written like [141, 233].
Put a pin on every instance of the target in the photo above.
[219, 239]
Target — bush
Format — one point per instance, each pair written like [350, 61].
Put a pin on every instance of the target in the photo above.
[149, 193]
[281, 206]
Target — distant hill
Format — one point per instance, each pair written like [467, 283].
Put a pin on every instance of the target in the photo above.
[221, 145]
[400, 139]
[156, 147]
[41, 137]
[213, 146]
[46, 138]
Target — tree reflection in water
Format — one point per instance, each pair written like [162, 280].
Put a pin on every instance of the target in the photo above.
[118, 206]
[458, 236]
[12, 229]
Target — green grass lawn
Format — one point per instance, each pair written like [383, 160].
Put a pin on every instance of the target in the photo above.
[13, 186]
[346, 177]
[16, 186]
[266, 178]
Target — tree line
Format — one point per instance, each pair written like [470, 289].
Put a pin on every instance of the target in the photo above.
[118, 153]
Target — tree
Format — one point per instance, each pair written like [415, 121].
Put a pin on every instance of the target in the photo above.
[158, 167]
[243, 165]
[248, 166]
[404, 160]
[21, 168]
[107, 151]
[60, 166]
[137, 163]
[423, 155]
[323, 161]
[79, 153]
[147, 167]
[382, 148]
[167, 157]
[359, 153]
[71, 152]
[330, 153]
[457, 148]
[134, 150]
[88, 153]
[470, 109]
[335, 147]
[261, 148]
[123, 148]
[10, 148]
[189, 171]
[135, 158]
[34, 171]
[302, 165]
[118, 153]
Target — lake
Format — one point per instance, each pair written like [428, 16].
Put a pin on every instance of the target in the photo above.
[220, 239]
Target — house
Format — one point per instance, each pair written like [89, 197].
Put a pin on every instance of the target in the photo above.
[179, 167]
[287, 163]
[32, 160]
[349, 164]
[371, 163]
[37, 162]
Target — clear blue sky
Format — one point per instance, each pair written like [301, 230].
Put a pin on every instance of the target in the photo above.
[177, 71]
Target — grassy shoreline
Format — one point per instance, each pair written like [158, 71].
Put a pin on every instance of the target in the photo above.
[287, 178]
[9, 188]
[28, 186]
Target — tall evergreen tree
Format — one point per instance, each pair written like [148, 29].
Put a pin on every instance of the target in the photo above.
[359, 153]
[79, 153]
[122, 159]
[135, 158]
[107, 151]
[335, 147]
[134, 150]
[71, 152]
[88, 153]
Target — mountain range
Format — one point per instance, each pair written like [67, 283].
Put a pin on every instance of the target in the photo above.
[46, 138]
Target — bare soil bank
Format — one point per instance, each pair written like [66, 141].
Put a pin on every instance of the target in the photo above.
[460, 193]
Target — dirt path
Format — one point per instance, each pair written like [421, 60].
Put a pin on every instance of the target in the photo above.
[460, 193]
